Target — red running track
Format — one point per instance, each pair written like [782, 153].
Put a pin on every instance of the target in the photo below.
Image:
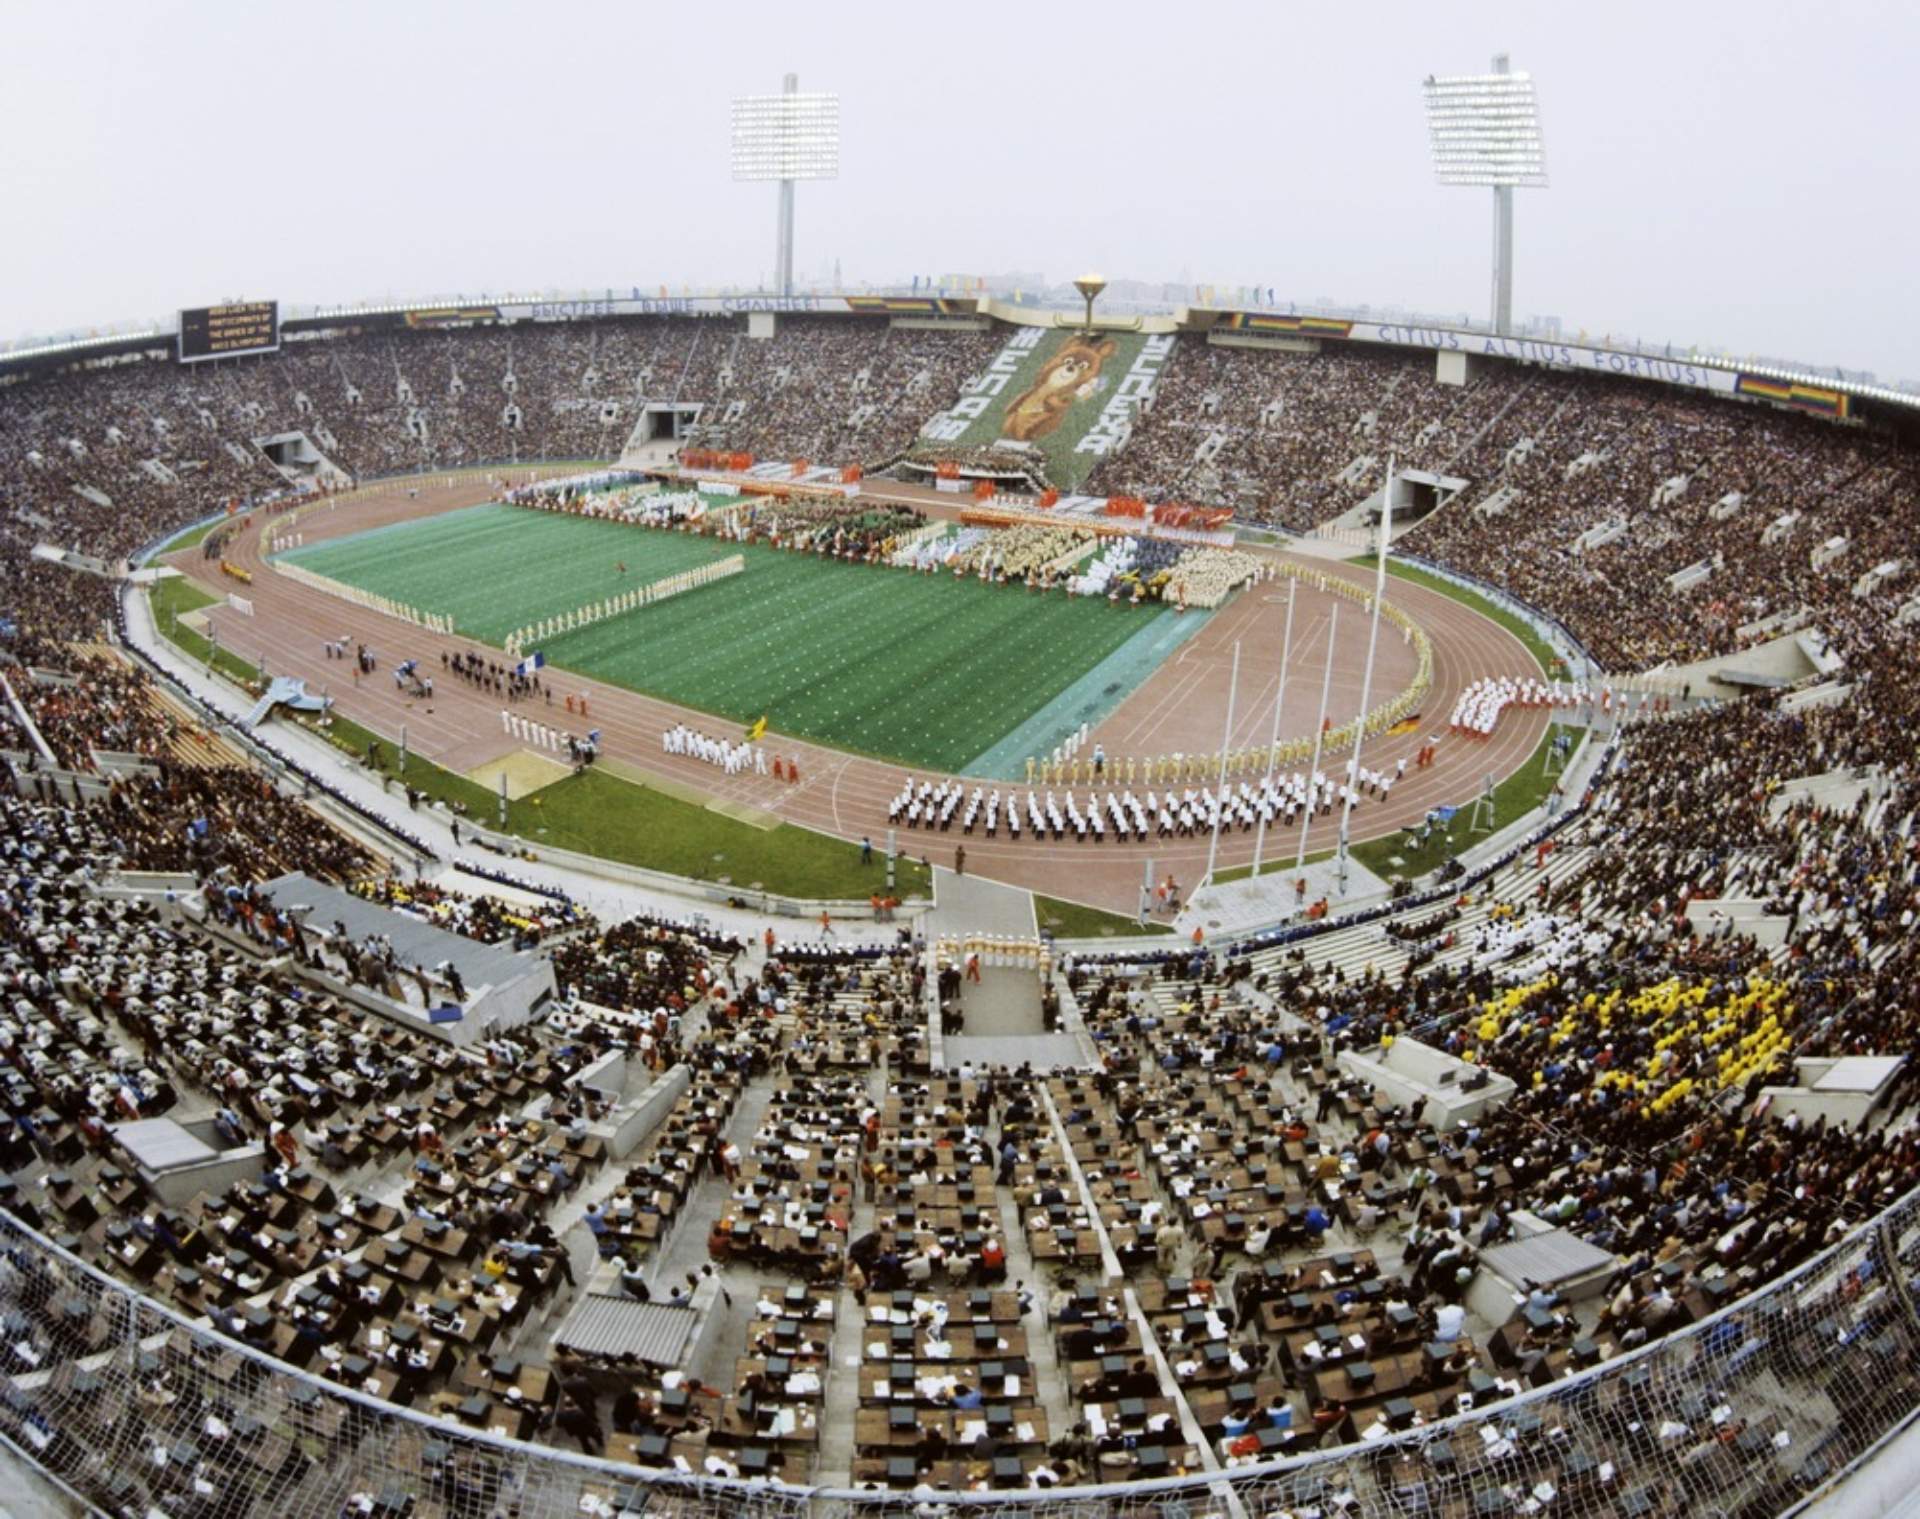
[1181, 707]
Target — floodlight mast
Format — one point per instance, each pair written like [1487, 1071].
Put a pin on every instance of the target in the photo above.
[786, 137]
[1485, 130]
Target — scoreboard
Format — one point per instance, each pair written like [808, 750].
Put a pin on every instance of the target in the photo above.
[225, 332]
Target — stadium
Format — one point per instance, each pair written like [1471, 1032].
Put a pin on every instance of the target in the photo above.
[929, 900]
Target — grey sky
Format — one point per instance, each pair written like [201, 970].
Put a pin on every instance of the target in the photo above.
[1733, 174]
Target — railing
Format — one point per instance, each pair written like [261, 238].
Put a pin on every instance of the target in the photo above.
[1745, 1412]
[1555, 632]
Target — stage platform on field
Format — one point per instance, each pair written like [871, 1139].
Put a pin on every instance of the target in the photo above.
[1259, 901]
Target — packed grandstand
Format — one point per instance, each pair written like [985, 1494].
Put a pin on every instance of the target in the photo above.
[723, 1210]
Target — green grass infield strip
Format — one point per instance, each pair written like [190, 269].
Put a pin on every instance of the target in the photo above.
[600, 814]
[1538, 647]
[1513, 798]
[1075, 920]
[1275, 861]
[174, 597]
[931, 671]
[597, 813]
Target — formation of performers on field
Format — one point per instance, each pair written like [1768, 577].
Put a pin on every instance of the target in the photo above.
[491, 676]
[1045, 556]
[1477, 709]
[742, 758]
[1042, 556]
[1280, 800]
[827, 523]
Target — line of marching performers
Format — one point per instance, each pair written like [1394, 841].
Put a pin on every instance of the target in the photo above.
[1281, 801]
[1476, 711]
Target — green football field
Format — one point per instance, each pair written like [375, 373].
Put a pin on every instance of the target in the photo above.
[497, 568]
[929, 670]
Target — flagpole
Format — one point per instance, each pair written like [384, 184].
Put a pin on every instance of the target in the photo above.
[1319, 736]
[1366, 679]
[1226, 739]
[1273, 739]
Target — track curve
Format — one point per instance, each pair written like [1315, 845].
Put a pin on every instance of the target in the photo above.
[1182, 706]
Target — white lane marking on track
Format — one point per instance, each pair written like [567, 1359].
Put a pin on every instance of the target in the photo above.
[834, 798]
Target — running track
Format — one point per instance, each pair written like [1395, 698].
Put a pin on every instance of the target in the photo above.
[1181, 707]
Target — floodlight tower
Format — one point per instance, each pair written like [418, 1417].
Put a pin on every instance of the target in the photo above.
[1485, 130]
[786, 137]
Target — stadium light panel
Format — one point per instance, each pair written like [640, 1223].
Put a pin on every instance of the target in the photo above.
[786, 137]
[1485, 130]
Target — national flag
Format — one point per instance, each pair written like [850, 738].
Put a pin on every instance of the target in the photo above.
[758, 728]
[534, 661]
[1404, 726]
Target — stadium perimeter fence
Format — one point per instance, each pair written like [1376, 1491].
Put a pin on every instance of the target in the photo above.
[141, 1411]
[1555, 633]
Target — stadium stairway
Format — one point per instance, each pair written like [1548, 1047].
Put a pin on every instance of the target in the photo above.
[1364, 950]
[1366, 946]
[194, 745]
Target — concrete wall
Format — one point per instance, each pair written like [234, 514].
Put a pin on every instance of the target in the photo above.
[514, 848]
[608, 1074]
[154, 881]
[178, 1187]
[1710, 915]
[34, 1493]
[649, 1112]
[67, 785]
[110, 762]
[1411, 1073]
[508, 1005]
[1783, 657]
[502, 1007]
[710, 1322]
[1839, 1108]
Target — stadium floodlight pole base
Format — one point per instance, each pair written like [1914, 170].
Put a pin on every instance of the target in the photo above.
[783, 255]
[1503, 260]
